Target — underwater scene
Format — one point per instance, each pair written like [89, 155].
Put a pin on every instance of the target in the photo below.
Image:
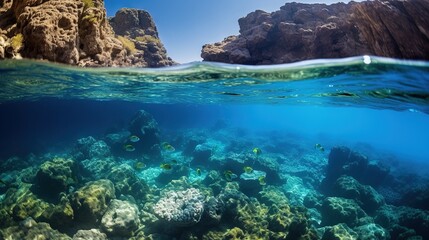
[321, 149]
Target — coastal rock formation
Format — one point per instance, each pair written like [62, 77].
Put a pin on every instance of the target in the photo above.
[296, 32]
[76, 32]
[141, 37]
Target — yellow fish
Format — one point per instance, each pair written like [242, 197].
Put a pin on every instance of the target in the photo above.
[229, 175]
[166, 146]
[248, 169]
[165, 166]
[129, 148]
[139, 165]
[134, 138]
[257, 151]
[261, 180]
[318, 146]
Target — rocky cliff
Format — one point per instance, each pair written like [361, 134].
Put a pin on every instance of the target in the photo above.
[76, 32]
[398, 29]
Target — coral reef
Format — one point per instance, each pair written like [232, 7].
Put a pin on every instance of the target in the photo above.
[96, 190]
[127, 183]
[30, 229]
[144, 126]
[309, 31]
[183, 208]
[59, 174]
[121, 218]
[337, 210]
[343, 161]
[90, 202]
[93, 234]
[364, 195]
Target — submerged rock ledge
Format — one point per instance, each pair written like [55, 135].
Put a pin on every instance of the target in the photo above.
[77, 32]
[397, 29]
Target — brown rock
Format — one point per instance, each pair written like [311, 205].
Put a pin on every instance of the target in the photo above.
[296, 32]
[139, 28]
[72, 32]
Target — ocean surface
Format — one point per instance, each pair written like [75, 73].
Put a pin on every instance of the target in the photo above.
[310, 150]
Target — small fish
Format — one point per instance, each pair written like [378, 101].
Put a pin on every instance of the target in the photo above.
[261, 180]
[139, 165]
[129, 148]
[134, 138]
[248, 169]
[198, 171]
[167, 147]
[229, 175]
[174, 162]
[319, 146]
[257, 151]
[2, 182]
[165, 166]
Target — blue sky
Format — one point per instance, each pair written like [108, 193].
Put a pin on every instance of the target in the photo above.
[184, 26]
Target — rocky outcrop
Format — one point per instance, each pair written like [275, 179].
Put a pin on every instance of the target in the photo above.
[68, 31]
[296, 32]
[138, 27]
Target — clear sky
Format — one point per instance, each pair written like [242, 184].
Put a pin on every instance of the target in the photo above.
[184, 26]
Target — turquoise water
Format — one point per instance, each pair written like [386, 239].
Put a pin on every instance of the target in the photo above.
[241, 146]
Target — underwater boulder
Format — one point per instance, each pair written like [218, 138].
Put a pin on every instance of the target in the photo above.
[250, 183]
[120, 219]
[90, 201]
[126, 182]
[411, 221]
[201, 154]
[30, 229]
[213, 210]
[339, 232]
[366, 196]
[54, 177]
[180, 208]
[21, 203]
[144, 126]
[90, 148]
[344, 161]
[337, 210]
[96, 168]
[93, 234]
[416, 198]
[372, 231]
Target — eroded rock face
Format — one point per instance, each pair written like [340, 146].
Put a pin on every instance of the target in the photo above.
[71, 32]
[138, 27]
[296, 32]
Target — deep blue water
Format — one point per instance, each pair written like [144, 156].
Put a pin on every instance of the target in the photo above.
[375, 106]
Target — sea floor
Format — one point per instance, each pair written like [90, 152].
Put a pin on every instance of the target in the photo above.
[210, 183]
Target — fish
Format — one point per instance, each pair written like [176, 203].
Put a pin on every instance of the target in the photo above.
[174, 162]
[134, 138]
[198, 171]
[229, 175]
[257, 151]
[167, 147]
[139, 165]
[129, 148]
[261, 180]
[2, 182]
[319, 146]
[248, 169]
[165, 166]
